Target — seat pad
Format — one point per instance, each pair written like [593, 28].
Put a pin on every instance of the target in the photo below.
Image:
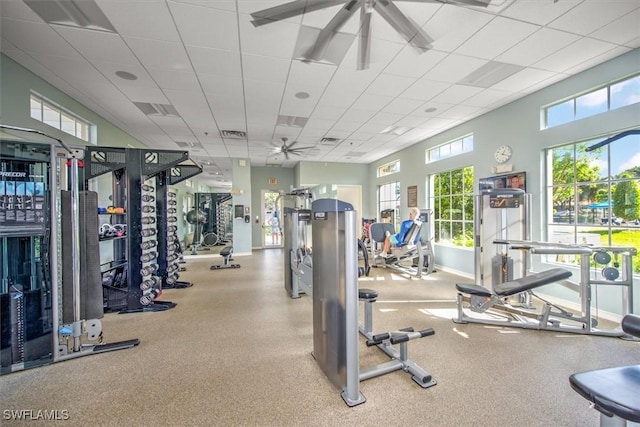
[614, 391]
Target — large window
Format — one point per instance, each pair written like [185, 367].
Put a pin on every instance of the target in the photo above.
[593, 197]
[389, 202]
[55, 116]
[610, 97]
[452, 203]
[450, 149]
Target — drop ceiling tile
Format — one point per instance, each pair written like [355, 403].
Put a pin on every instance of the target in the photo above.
[452, 25]
[576, 53]
[175, 79]
[358, 116]
[457, 94]
[410, 63]
[228, 5]
[402, 106]
[344, 126]
[277, 39]
[109, 69]
[205, 27]
[213, 85]
[488, 98]
[453, 68]
[311, 75]
[538, 12]
[295, 107]
[460, 112]
[621, 31]
[329, 113]
[265, 68]
[389, 85]
[36, 37]
[522, 80]
[98, 45]
[372, 102]
[424, 90]
[192, 106]
[490, 41]
[214, 61]
[598, 59]
[437, 123]
[155, 53]
[537, 46]
[18, 10]
[334, 98]
[143, 19]
[590, 16]
[143, 94]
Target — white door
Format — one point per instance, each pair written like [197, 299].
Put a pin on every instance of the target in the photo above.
[351, 194]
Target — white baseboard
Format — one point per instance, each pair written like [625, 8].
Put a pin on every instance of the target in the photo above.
[456, 272]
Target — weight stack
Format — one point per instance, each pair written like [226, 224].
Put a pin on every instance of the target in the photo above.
[91, 300]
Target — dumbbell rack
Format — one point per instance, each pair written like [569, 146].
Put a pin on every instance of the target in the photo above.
[135, 172]
[169, 252]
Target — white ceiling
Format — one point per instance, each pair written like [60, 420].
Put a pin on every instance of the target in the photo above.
[220, 72]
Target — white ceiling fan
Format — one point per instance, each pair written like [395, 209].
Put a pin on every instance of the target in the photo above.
[403, 24]
[288, 149]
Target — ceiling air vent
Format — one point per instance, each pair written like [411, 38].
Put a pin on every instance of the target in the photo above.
[327, 140]
[164, 110]
[188, 144]
[292, 121]
[80, 14]
[233, 134]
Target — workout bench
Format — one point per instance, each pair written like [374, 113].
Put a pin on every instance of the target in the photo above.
[480, 300]
[226, 253]
[614, 392]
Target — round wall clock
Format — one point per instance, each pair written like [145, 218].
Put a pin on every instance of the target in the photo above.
[502, 154]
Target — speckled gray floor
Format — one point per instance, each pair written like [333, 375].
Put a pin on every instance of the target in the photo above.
[236, 350]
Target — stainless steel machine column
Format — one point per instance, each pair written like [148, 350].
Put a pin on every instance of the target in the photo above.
[335, 296]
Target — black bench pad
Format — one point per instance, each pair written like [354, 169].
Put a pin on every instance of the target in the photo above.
[367, 294]
[473, 289]
[614, 391]
[531, 281]
[227, 250]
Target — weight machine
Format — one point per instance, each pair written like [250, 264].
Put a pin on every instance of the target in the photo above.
[45, 288]
[335, 307]
[549, 316]
[298, 261]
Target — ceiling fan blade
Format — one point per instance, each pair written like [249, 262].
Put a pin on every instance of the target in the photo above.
[403, 25]
[364, 42]
[291, 145]
[291, 9]
[294, 150]
[286, 155]
[329, 31]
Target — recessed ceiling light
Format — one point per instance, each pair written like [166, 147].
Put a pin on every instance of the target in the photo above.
[302, 95]
[126, 75]
[430, 110]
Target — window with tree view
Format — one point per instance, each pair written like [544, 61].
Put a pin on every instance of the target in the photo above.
[593, 197]
[452, 203]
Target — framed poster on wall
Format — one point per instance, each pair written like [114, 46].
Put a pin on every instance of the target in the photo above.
[412, 196]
